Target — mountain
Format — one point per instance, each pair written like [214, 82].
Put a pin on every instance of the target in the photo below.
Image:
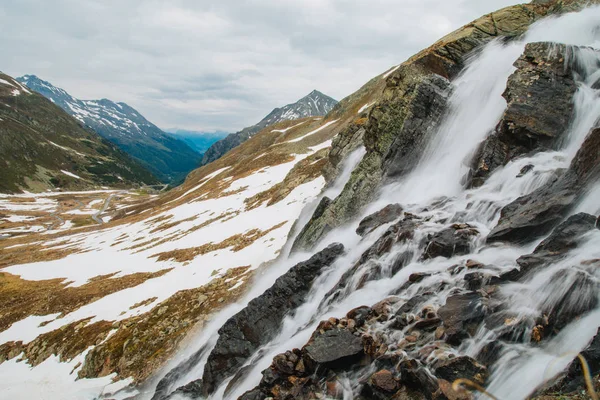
[42, 147]
[199, 141]
[167, 157]
[315, 104]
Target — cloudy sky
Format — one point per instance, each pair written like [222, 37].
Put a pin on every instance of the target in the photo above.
[219, 64]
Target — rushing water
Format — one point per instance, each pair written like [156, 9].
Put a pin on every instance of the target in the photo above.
[476, 106]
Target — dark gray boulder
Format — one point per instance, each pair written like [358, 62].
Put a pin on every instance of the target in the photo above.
[563, 238]
[454, 240]
[333, 349]
[261, 319]
[534, 215]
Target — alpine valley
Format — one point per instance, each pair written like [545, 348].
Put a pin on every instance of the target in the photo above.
[434, 235]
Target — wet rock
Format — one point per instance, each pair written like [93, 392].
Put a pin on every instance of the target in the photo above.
[448, 392]
[462, 367]
[579, 296]
[534, 215]
[360, 315]
[399, 232]
[383, 381]
[254, 394]
[192, 390]
[416, 377]
[455, 240]
[574, 378]
[333, 349]
[259, 322]
[563, 238]
[461, 314]
[386, 215]
[396, 134]
[427, 325]
[525, 170]
[344, 143]
[539, 108]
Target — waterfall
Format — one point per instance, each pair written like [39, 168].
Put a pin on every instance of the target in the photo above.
[433, 191]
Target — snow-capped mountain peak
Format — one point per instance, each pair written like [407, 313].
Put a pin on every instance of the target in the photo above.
[313, 104]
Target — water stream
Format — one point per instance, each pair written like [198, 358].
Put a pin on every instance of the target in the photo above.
[433, 192]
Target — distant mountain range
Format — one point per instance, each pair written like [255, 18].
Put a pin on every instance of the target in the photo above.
[167, 157]
[42, 147]
[315, 104]
[198, 141]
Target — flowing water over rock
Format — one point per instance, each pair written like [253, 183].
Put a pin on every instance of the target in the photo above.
[432, 297]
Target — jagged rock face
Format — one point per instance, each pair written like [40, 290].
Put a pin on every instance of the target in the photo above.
[537, 213]
[539, 97]
[400, 124]
[423, 364]
[344, 143]
[315, 104]
[259, 322]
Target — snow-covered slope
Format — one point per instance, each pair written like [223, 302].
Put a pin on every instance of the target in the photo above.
[159, 263]
[315, 104]
[167, 157]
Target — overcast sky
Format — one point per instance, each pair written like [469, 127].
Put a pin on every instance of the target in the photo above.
[219, 64]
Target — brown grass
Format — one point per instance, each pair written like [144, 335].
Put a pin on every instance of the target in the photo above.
[21, 298]
[236, 242]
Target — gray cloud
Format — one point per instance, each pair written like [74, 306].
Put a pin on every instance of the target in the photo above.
[219, 65]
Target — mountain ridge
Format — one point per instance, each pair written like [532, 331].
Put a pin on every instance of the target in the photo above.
[314, 104]
[166, 156]
[43, 147]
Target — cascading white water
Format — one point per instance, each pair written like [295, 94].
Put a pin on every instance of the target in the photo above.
[207, 339]
[476, 106]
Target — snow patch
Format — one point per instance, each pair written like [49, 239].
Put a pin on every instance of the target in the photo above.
[313, 132]
[72, 175]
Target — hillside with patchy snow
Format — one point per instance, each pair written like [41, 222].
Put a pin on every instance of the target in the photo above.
[167, 157]
[42, 147]
[158, 266]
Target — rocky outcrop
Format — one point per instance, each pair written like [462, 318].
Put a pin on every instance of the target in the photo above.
[535, 214]
[259, 322]
[343, 144]
[395, 133]
[397, 130]
[539, 108]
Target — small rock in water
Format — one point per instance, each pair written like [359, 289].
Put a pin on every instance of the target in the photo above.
[462, 367]
[525, 170]
[386, 215]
